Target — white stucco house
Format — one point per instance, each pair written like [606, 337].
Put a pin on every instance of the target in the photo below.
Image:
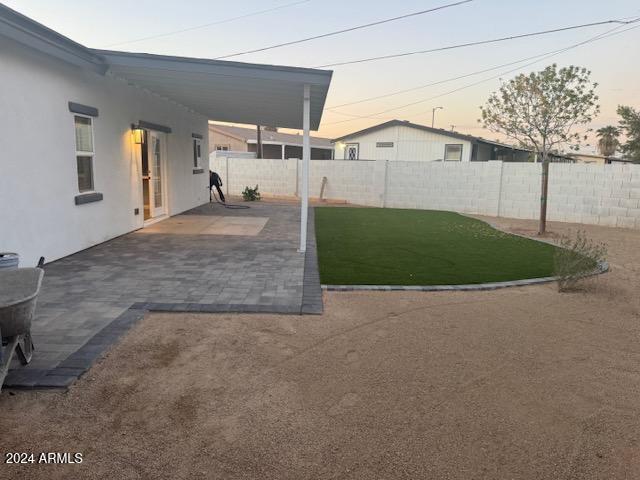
[406, 141]
[95, 144]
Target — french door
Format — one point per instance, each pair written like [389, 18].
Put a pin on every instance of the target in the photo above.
[153, 176]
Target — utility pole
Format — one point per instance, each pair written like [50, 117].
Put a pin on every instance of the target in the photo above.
[259, 145]
[433, 115]
[453, 127]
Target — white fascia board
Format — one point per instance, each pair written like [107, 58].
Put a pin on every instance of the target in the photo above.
[218, 67]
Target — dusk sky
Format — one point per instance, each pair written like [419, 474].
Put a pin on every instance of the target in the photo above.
[614, 61]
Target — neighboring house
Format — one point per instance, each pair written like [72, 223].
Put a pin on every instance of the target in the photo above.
[588, 158]
[275, 144]
[595, 158]
[402, 140]
[95, 144]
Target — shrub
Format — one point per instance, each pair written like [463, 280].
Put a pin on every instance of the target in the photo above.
[577, 257]
[251, 194]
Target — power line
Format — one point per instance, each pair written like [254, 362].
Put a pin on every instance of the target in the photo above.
[351, 29]
[542, 57]
[205, 25]
[471, 44]
[432, 84]
[608, 33]
[459, 77]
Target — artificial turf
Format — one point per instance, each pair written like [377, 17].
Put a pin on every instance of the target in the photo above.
[376, 246]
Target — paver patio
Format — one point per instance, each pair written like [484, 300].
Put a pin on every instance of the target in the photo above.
[208, 259]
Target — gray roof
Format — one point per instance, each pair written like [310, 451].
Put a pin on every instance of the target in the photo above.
[217, 89]
[439, 131]
[250, 135]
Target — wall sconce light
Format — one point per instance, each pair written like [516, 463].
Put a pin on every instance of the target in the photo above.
[138, 135]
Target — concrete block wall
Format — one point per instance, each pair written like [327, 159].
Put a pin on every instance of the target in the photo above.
[592, 194]
[352, 181]
[458, 186]
[519, 190]
[274, 177]
[595, 194]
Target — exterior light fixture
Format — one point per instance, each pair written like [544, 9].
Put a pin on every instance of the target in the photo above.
[138, 135]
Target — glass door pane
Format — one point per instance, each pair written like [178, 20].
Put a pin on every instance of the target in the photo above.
[156, 172]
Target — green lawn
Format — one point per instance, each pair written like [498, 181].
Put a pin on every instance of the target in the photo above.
[375, 246]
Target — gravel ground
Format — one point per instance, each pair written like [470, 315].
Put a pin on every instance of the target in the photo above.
[522, 383]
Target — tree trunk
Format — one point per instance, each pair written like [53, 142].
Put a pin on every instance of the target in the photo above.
[544, 190]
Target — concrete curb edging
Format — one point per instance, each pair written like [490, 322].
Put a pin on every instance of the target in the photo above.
[602, 268]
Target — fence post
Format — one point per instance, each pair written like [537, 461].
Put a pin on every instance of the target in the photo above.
[386, 183]
[500, 189]
[379, 187]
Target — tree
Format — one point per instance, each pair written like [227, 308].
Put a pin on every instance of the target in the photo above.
[608, 140]
[542, 111]
[630, 125]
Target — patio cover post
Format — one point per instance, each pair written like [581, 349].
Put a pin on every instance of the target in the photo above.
[306, 156]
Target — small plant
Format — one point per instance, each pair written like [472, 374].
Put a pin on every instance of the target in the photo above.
[576, 258]
[250, 194]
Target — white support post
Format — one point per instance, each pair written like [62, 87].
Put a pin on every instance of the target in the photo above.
[282, 152]
[306, 157]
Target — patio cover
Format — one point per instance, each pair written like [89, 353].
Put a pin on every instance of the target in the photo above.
[268, 95]
[227, 91]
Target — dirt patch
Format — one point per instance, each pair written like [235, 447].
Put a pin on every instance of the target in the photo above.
[518, 383]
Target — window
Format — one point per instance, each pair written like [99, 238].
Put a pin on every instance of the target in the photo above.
[222, 148]
[84, 152]
[453, 153]
[197, 152]
[384, 144]
[351, 151]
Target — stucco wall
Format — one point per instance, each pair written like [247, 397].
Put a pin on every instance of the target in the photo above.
[592, 194]
[38, 180]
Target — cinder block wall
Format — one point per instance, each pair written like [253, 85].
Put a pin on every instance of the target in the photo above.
[592, 194]
[350, 181]
[274, 177]
[459, 186]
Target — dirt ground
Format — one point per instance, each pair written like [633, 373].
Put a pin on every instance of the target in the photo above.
[522, 383]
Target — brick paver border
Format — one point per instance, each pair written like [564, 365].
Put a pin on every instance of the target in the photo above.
[79, 362]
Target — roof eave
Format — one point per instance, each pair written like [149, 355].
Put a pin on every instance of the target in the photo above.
[309, 76]
[30, 33]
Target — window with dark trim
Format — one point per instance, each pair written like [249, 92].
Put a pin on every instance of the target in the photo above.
[84, 152]
[197, 152]
[453, 152]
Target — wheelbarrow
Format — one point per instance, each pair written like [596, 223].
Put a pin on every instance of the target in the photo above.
[19, 289]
